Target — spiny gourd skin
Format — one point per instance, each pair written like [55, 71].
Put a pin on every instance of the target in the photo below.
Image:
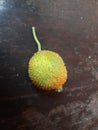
[47, 70]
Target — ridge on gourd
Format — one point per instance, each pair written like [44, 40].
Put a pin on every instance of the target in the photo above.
[46, 68]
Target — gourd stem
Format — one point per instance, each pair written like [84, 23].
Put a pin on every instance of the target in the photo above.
[36, 39]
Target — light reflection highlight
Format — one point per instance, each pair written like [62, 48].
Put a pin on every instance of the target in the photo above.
[2, 5]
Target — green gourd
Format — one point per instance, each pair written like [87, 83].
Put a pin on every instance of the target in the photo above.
[46, 68]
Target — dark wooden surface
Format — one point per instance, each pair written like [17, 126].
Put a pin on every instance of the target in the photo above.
[69, 27]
